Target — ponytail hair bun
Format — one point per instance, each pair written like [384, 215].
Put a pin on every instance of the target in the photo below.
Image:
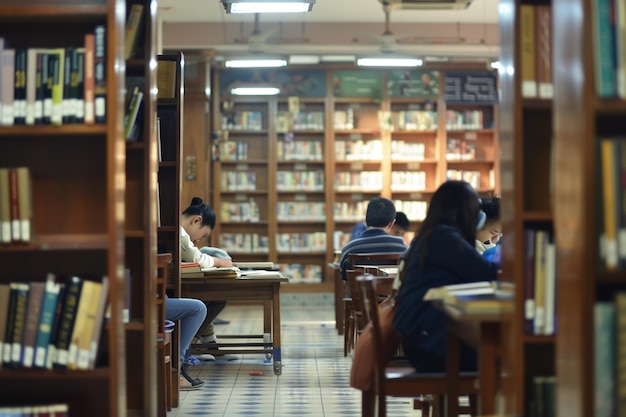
[196, 201]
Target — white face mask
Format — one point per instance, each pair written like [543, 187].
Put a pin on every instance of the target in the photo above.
[487, 244]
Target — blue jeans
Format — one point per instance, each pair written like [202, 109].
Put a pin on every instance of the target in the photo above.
[191, 313]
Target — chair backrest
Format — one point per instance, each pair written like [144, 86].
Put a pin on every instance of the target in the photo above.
[373, 260]
[357, 299]
[163, 260]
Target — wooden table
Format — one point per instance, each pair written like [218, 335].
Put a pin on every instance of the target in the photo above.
[266, 289]
[340, 292]
[481, 331]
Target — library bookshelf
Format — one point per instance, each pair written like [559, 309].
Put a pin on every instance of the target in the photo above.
[140, 209]
[275, 157]
[77, 223]
[526, 155]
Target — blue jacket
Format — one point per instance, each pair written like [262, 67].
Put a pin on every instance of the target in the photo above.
[451, 260]
[371, 241]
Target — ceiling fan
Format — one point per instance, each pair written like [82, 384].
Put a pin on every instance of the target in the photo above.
[388, 42]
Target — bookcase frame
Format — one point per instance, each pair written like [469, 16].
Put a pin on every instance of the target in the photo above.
[525, 131]
[78, 201]
[437, 165]
[141, 233]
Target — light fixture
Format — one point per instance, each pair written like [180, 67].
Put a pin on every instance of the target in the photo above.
[304, 59]
[337, 58]
[388, 61]
[256, 62]
[254, 88]
[276, 6]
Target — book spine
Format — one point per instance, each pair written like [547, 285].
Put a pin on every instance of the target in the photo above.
[100, 80]
[541, 242]
[50, 68]
[66, 101]
[25, 202]
[80, 322]
[5, 291]
[7, 78]
[83, 344]
[46, 320]
[89, 86]
[5, 208]
[54, 331]
[620, 354]
[133, 25]
[608, 244]
[33, 310]
[529, 281]
[21, 301]
[77, 85]
[603, 24]
[528, 52]
[19, 92]
[58, 74]
[42, 83]
[15, 208]
[543, 38]
[620, 47]
[31, 85]
[604, 359]
[66, 323]
[99, 320]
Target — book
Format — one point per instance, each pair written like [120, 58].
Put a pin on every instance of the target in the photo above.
[225, 272]
[54, 330]
[255, 265]
[15, 207]
[608, 168]
[67, 110]
[5, 291]
[24, 191]
[100, 81]
[620, 353]
[603, 29]
[7, 348]
[97, 331]
[604, 359]
[479, 287]
[5, 207]
[529, 280]
[31, 85]
[166, 79]
[541, 242]
[7, 78]
[77, 86]
[528, 51]
[19, 92]
[134, 25]
[191, 270]
[85, 301]
[543, 39]
[66, 321]
[550, 291]
[56, 68]
[130, 124]
[33, 312]
[19, 322]
[41, 76]
[46, 320]
[487, 303]
[620, 46]
[89, 86]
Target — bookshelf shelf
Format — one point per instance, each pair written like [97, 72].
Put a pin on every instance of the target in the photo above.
[56, 376]
[45, 11]
[97, 131]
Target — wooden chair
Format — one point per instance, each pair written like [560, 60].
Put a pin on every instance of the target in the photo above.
[365, 263]
[398, 378]
[164, 339]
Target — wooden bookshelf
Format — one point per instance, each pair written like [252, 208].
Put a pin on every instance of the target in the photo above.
[170, 115]
[78, 204]
[380, 142]
[526, 137]
[140, 213]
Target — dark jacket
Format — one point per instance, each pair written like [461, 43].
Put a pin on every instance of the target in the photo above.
[451, 260]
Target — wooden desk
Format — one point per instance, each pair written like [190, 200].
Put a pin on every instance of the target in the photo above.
[481, 331]
[340, 292]
[266, 290]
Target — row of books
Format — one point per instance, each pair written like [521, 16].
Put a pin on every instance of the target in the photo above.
[408, 181]
[288, 122]
[460, 149]
[340, 239]
[359, 181]
[349, 210]
[609, 47]
[609, 356]
[301, 242]
[414, 210]
[406, 151]
[543, 397]
[300, 180]
[539, 282]
[54, 324]
[231, 151]
[408, 120]
[473, 177]
[536, 51]
[15, 205]
[54, 85]
[236, 211]
[300, 211]
[302, 273]
[49, 410]
[133, 116]
[359, 150]
[244, 242]
[238, 181]
[465, 120]
[300, 150]
[243, 120]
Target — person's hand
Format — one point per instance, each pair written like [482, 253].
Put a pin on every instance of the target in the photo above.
[222, 262]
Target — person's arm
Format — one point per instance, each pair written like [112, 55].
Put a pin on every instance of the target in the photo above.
[189, 253]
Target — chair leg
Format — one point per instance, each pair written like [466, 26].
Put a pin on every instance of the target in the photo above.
[368, 403]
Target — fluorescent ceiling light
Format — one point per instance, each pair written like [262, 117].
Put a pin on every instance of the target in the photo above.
[389, 62]
[255, 91]
[337, 58]
[276, 6]
[303, 59]
[255, 62]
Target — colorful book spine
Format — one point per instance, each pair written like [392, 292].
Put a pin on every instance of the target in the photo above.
[528, 52]
[46, 321]
[66, 323]
[33, 312]
[100, 93]
[603, 26]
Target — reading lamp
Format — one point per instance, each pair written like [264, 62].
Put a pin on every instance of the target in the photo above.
[275, 6]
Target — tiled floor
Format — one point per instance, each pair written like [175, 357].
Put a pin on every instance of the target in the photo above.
[314, 380]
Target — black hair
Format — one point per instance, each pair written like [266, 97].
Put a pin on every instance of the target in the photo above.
[491, 207]
[198, 208]
[402, 221]
[455, 203]
[380, 212]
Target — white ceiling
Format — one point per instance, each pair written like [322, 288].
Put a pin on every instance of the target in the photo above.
[333, 26]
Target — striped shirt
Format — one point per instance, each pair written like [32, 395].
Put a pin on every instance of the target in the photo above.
[372, 240]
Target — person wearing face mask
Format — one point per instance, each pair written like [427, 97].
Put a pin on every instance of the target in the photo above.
[489, 235]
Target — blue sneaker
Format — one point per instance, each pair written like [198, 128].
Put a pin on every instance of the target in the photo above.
[192, 361]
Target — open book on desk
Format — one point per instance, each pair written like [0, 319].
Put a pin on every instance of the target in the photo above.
[256, 265]
[194, 270]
